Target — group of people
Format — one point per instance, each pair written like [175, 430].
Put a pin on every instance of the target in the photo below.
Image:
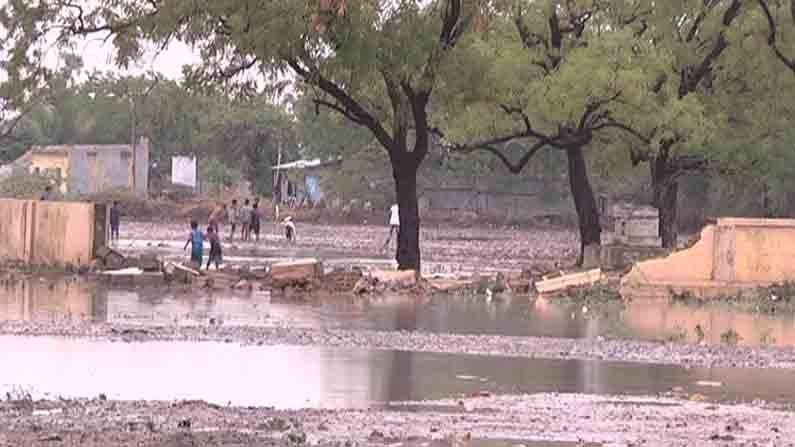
[247, 217]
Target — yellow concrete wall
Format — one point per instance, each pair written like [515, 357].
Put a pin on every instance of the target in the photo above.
[63, 232]
[693, 264]
[764, 249]
[732, 254]
[13, 228]
[47, 232]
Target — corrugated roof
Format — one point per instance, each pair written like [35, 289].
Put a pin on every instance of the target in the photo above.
[305, 164]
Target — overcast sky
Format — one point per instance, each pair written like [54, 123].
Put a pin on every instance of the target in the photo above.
[98, 55]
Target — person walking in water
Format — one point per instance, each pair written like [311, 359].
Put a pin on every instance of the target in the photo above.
[394, 224]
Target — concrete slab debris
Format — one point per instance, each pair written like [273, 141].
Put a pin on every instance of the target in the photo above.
[296, 273]
[732, 256]
[125, 271]
[562, 283]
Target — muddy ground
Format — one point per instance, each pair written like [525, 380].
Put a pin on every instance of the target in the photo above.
[451, 249]
[541, 417]
[574, 418]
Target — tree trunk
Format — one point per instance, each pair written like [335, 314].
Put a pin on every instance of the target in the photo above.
[584, 201]
[666, 193]
[408, 250]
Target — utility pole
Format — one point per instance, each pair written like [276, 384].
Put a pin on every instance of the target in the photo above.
[278, 186]
[132, 142]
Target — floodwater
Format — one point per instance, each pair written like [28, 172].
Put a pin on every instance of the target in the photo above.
[300, 377]
[73, 298]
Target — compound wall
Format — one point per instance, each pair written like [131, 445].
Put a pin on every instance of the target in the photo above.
[732, 255]
[53, 233]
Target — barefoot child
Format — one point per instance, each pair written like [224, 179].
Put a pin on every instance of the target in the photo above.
[196, 241]
[215, 248]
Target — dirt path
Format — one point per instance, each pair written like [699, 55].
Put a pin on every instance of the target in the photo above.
[555, 417]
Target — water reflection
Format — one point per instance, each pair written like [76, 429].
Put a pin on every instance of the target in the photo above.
[71, 298]
[44, 299]
[297, 377]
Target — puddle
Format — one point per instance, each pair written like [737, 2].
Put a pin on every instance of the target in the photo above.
[72, 298]
[300, 377]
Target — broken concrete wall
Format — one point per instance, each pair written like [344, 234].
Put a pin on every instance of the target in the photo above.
[732, 255]
[49, 232]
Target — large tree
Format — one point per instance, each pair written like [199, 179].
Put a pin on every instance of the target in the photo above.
[561, 74]
[375, 62]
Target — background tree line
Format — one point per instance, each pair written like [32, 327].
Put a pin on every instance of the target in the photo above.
[699, 94]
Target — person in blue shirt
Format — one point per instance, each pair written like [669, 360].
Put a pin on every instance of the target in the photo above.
[196, 241]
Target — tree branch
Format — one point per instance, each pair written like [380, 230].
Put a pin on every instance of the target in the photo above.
[338, 109]
[363, 117]
[772, 33]
[513, 168]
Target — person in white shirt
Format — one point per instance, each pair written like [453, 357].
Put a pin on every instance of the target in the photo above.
[289, 229]
[394, 224]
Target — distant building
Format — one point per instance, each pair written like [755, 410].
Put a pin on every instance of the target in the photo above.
[93, 168]
[301, 182]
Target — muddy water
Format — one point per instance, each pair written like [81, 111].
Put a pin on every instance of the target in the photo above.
[54, 299]
[297, 377]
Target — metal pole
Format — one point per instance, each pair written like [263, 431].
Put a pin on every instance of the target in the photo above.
[132, 143]
[278, 177]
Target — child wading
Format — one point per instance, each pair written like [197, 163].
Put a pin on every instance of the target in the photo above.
[115, 220]
[216, 255]
[196, 241]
